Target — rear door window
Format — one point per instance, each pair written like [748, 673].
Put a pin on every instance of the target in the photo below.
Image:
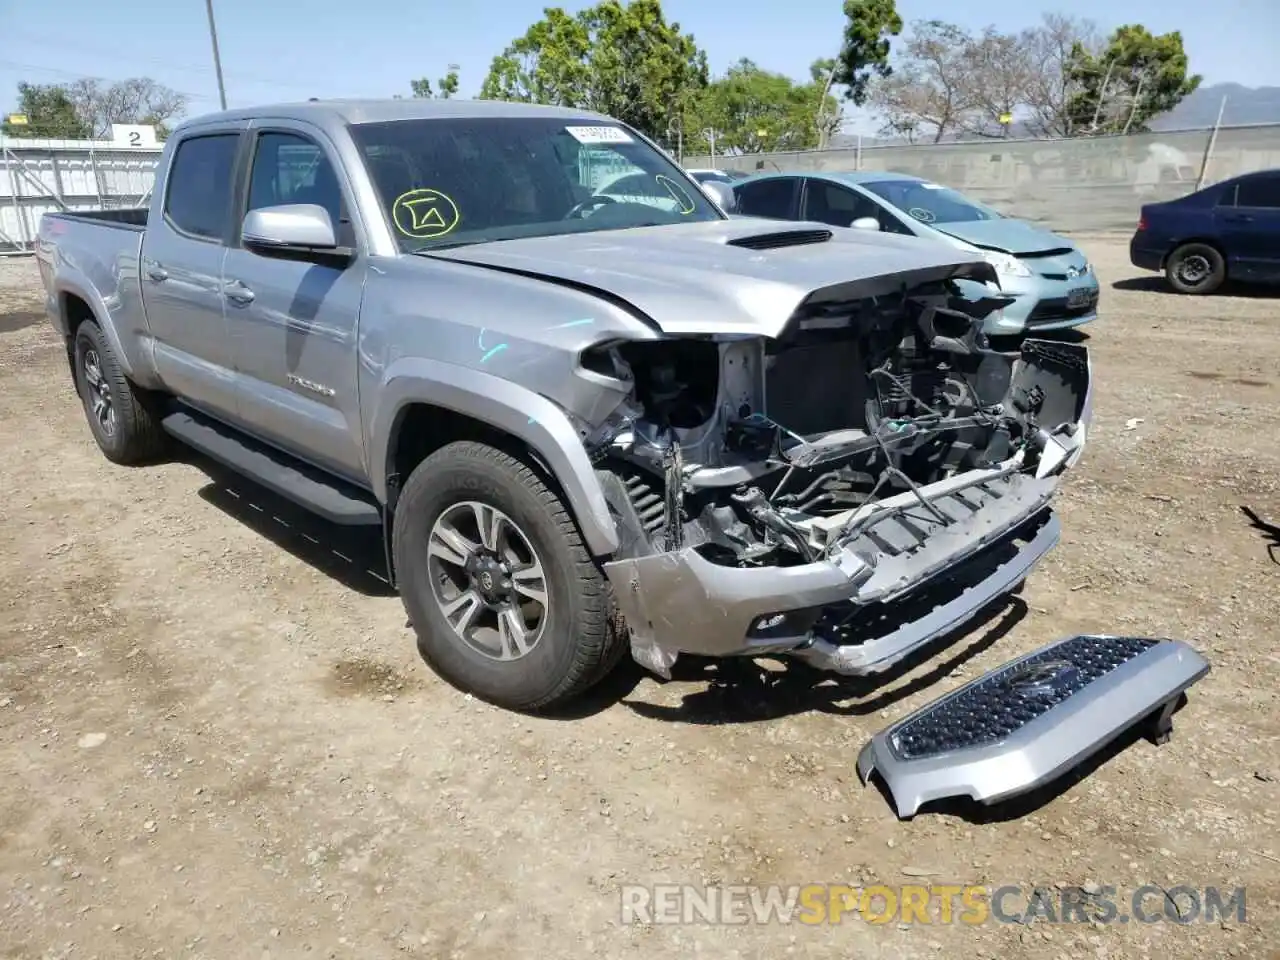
[1261, 192]
[198, 198]
[775, 199]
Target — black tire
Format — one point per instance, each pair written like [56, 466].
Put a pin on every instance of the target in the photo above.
[1195, 268]
[131, 434]
[577, 643]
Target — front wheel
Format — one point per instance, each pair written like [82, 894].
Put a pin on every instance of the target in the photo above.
[1195, 268]
[505, 599]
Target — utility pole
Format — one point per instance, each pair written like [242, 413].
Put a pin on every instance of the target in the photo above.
[711, 133]
[822, 109]
[217, 60]
[676, 126]
[1208, 147]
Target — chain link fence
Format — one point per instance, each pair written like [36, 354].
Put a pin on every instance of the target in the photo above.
[1080, 185]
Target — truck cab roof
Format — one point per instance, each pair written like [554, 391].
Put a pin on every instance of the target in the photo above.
[323, 113]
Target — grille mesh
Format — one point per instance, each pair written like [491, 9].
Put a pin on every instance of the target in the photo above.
[996, 706]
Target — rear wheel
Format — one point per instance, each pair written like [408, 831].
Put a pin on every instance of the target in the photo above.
[1195, 268]
[505, 598]
[122, 417]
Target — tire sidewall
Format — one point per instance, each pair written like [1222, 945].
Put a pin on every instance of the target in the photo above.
[1211, 283]
[437, 484]
[89, 337]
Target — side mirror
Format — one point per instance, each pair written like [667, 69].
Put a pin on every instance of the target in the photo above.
[722, 195]
[866, 223]
[293, 231]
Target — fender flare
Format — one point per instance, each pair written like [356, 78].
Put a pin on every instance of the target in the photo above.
[73, 282]
[506, 406]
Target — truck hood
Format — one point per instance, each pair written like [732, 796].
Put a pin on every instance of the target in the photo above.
[1006, 235]
[742, 276]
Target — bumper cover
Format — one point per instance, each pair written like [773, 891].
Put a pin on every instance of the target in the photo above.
[1025, 723]
[680, 602]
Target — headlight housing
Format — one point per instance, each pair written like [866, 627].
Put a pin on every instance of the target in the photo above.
[1006, 264]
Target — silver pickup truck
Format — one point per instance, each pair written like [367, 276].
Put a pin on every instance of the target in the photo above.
[587, 418]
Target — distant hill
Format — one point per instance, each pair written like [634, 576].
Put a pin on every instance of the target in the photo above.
[1244, 105]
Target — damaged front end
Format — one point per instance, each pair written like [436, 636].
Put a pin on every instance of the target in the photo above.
[842, 493]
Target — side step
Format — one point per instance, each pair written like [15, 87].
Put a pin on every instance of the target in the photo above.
[327, 496]
[1023, 724]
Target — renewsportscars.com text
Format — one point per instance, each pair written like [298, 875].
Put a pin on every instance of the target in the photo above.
[932, 904]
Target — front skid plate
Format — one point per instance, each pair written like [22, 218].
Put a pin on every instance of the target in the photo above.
[1024, 723]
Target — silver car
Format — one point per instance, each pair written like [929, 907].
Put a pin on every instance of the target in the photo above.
[1051, 282]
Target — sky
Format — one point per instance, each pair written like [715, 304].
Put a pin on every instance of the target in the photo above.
[274, 50]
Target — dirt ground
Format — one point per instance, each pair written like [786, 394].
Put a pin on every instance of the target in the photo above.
[217, 738]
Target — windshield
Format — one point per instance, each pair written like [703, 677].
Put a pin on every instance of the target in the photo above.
[455, 181]
[930, 202]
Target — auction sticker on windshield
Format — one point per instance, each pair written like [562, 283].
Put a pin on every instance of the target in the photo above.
[599, 134]
[425, 214]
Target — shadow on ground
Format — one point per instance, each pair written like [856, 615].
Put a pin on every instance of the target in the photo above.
[353, 556]
[19, 320]
[1160, 285]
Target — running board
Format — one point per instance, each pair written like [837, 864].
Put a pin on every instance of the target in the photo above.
[1023, 724]
[307, 486]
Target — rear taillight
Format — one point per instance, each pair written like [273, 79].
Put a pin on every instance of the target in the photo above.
[1142, 223]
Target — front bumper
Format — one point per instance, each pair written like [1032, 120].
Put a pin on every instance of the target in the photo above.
[1044, 304]
[845, 613]
[906, 575]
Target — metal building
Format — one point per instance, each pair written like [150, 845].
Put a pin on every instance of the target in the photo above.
[40, 176]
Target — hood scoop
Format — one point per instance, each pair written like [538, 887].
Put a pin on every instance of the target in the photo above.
[781, 238]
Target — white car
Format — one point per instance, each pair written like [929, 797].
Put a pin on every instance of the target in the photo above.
[705, 174]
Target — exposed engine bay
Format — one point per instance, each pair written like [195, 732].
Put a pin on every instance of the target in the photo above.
[762, 452]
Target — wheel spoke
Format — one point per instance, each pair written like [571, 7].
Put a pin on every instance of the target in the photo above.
[512, 634]
[449, 545]
[490, 523]
[502, 579]
[530, 583]
[461, 612]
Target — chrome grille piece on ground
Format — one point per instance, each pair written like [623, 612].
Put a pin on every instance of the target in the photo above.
[1025, 723]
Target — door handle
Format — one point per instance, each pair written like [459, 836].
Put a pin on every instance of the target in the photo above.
[237, 292]
[1240, 218]
[157, 273]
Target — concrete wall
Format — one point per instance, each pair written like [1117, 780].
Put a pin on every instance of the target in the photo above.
[44, 176]
[1080, 185]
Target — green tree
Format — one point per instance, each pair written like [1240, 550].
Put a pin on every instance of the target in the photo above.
[1137, 76]
[50, 112]
[864, 51]
[621, 59]
[448, 86]
[754, 111]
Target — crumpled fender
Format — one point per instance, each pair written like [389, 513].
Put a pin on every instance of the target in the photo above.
[506, 406]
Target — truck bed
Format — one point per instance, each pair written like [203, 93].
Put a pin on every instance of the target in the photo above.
[127, 218]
